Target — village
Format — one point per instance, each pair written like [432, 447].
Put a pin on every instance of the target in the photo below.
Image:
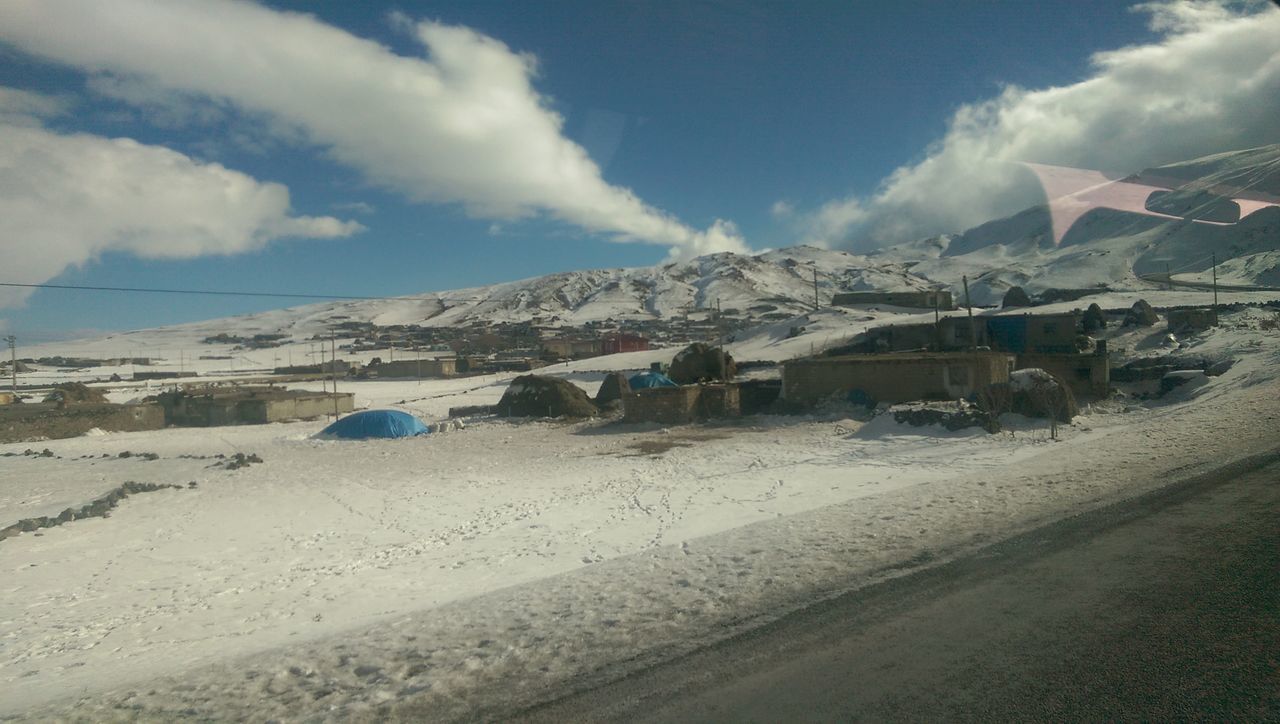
[975, 362]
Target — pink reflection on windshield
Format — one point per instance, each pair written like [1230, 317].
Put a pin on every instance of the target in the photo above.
[1073, 192]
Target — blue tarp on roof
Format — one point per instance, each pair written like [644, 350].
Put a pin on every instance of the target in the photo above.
[376, 423]
[650, 379]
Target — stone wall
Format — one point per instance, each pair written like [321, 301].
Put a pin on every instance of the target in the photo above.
[26, 422]
[680, 405]
[409, 368]
[303, 408]
[894, 377]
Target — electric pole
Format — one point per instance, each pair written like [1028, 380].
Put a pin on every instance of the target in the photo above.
[973, 333]
[1215, 288]
[13, 363]
[816, 305]
[333, 349]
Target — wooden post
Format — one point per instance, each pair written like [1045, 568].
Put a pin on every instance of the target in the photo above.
[816, 304]
[1215, 288]
[937, 326]
[13, 361]
[973, 333]
[333, 349]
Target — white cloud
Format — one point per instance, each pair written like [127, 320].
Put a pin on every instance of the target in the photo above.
[782, 209]
[24, 108]
[65, 199]
[464, 124]
[1210, 84]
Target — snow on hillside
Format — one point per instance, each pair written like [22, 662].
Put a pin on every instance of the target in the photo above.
[336, 577]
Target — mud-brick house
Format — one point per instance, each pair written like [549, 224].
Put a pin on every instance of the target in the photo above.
[571, 348]
[949, 334]
[249, 406]
[624, 342]
[412, 368]
[1034, 333]
[894, 377]
[933, 299]
[679, 405]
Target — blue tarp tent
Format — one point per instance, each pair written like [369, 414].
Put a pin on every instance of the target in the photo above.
[650, 379]
[376, 423]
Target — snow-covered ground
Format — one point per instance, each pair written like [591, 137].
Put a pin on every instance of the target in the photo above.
[335, 577]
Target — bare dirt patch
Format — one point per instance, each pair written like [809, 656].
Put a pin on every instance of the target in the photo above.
[660, 445]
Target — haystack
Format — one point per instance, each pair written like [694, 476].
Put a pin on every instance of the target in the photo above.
[1140, 314]
[1015, 297]
[701, 363]
[541, 396]
[75, 393]
[615, 385]
[1038, 393]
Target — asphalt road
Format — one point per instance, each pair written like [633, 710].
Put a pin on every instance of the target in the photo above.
[1166, 607]
[1168, 280]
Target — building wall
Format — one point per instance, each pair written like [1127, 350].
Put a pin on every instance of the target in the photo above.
[950, 334]
[303, 408]
[1036, 333]
[614, 344]
[19, 423]
[924, 300]
[410, 368]
[668, 405]
[218, 410]
[894, 378]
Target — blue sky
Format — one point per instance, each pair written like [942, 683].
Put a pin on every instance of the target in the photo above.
[666, 129]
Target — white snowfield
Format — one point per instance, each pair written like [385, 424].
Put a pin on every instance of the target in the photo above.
[454, 574]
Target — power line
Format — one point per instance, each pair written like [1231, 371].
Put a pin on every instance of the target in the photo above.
[222, 293]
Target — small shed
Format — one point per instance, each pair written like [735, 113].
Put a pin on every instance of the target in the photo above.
[684, 404]
[250, 406]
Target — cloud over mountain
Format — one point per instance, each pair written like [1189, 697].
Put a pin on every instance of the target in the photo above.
[1210, 83]
[67, 198]
[463, 124]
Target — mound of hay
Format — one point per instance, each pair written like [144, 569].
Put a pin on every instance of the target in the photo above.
[615, 385]
[1037, 393]
[75, 393]
[1140, 314]
[955, 415]
[541, 396]
[1015, 297]
[1094, 319]
[701, 363]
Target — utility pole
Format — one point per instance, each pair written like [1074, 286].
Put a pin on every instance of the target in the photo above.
[1215, 288]
[973, 333]
[13, 362]
[816, 305]
[937, 326]
[333, 348]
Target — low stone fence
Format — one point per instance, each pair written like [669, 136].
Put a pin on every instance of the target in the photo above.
[27, 422]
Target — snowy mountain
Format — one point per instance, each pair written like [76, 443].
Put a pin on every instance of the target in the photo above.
[1105, 248]
[769, 286]
[1112, 247]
